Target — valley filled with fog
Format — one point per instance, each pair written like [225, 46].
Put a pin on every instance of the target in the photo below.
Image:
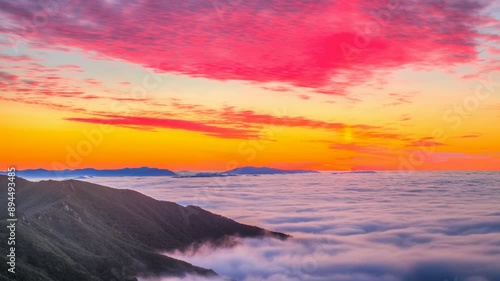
[387, 226]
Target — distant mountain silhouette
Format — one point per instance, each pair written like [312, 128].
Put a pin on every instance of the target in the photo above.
[249, 170]
[73, 230]
[355, 172]
[86, 173]
[205, 175]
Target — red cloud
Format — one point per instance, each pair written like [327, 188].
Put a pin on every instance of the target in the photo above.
[42, 82]
[7, 77]
[425, 141]
[47, 104]
[249, 116]
[147, 123]
[226, 122]
[363, 149]
[493, 50]
[277, 88]
[15, 59]
[469, 136]
[245, 118]
[325, 45]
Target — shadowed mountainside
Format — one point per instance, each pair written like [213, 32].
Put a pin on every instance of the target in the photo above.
[74, 230]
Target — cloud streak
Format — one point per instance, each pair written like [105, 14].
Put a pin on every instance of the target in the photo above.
[152, 123]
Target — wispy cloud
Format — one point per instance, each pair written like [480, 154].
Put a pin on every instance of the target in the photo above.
[149, 123]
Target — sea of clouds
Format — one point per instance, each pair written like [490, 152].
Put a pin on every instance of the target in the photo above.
[388, 226]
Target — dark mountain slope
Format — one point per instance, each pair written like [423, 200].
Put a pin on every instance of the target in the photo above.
[74, 230]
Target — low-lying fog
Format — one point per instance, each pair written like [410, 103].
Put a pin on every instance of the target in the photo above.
[390, 226]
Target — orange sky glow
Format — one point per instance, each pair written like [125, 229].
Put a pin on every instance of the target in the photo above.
[293, 85]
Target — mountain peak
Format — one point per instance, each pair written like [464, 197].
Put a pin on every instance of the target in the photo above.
[251, 170]
[91, 172]
[66, 222]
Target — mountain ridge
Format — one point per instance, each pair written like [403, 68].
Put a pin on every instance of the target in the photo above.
[251, 170]
[90, 172]
[74, 230]
[148, 172]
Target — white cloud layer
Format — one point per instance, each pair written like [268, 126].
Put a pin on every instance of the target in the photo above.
[425, 226]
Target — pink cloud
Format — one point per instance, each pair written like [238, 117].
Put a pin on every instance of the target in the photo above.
[277, 88]
[15, 59]
[93, 82]
[249, 116]
[311, 44]
[69, 66]
[400, 98]
[46, 104]
[41, 81]
[494, 50]
[7, 77]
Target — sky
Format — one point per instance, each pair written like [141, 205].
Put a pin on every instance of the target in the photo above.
[217, 84]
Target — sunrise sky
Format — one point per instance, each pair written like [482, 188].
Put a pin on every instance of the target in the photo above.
[210, 85]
